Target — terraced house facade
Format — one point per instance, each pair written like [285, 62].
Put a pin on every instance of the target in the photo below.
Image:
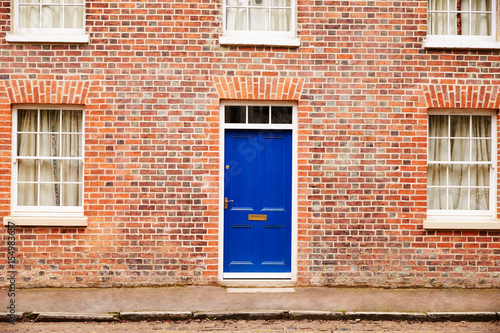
[308, 142]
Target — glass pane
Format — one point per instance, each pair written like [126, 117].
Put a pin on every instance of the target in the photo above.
[481, 150]
[481, 24]
[460, 126]
[49, 145]
[72, 171]
[26, 145]
[438, 150]
[481, 126]
[73, 17]
[237, 2]
[236, 19]
[281, 115]
[71, 195]
[27, 170]
[460, 149]
[29, 17]
[436, 198]
[452, 24]
[71, 145]
[480, 175]
[50, 170]
[258, 114]
[458, 198]
[480, 199]
[51, 1]
[259, 19]
[437, 24]
[29, 1]
[51, 17]
[438, 126]
[459, 175]
[50, 121]
[74, 1]
[436, 175]
[50, 194]
[27, 194]
[280, 19]
[281, 3]
[235, 114]
[72, 121]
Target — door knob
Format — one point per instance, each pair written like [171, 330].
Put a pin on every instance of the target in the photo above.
[226, 203]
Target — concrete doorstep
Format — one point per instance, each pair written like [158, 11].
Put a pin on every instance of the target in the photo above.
[251, 315]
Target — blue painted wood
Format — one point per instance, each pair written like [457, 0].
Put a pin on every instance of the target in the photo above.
[259, 181]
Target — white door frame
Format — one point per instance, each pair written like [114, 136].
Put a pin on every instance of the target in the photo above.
[292, 276]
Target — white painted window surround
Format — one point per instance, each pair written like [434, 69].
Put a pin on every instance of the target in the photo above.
[462, 170]
[462, 24]
[47, 166]
[259, 23]
[48, 21]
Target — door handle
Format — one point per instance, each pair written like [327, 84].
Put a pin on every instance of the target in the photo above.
[226, 203]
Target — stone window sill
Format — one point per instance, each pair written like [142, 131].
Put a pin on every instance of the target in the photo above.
[46, 221]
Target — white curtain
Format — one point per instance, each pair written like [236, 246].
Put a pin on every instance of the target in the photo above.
[261, 17]
[459, 24]
[461, 178]
[52, 175]
[52, 16]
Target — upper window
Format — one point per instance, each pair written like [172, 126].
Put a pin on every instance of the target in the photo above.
[259, 22]
[48, 162]
[48, 21]
[461, 161]
[461, 23]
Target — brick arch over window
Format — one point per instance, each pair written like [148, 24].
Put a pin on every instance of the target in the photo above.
[248, 88]
[45, 91]
[462, 96]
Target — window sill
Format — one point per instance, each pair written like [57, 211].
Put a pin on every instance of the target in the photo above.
[62, 38]
[281, 41]
[461, 223]
[46, 221]
[440, 43]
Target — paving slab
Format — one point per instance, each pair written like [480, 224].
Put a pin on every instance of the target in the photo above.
[63, 316]
[156, 315]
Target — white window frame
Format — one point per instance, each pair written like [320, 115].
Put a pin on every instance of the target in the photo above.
[44, 215]
[47, 35]
[464, 41]
[469, 219]
[239, 278]
[264, 38]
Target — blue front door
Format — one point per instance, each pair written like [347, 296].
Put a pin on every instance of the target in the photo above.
[257, 191]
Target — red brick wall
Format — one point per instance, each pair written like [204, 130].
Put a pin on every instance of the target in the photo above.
[151, 80]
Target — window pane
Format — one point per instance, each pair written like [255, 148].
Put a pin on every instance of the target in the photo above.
[259, 19]
[280, 19]
[281, 3]
[260, 3]
[460, 126]
[51, 1]
[436, 175]
[71, 195]
[27, 170]
[459, 175]
[29, 17]
[481, 24]
[50, 121]
[73, 17]
[50, 194]
[436, 198]
[481, 126]
[438, 126]
[49, 145]
[235, 114]
[258, 114]
[71, 145]
[438, 150]
[72, 171]
[27, 194]
[480, 175]
[480, 199]
[51, 16]
[74, 1]
[50, 170]
[26, 145]
[236, 19]
[72, 121]
[281, 115]
[460, 149]
[458, 198]
[481, 150]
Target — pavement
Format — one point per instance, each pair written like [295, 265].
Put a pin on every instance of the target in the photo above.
[213, 302]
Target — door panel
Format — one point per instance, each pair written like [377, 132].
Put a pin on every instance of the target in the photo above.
[257, 184]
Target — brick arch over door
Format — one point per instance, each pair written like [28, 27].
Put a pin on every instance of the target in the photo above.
[44, 92]
[462, 96]
[264, 88]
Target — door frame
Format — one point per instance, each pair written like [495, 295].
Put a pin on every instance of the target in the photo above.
[292, 276]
